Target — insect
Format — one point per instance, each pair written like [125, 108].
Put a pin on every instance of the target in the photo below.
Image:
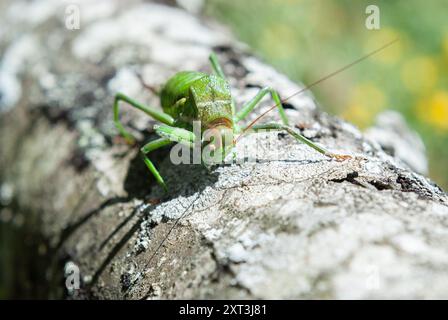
[182, 103]
[195, 96]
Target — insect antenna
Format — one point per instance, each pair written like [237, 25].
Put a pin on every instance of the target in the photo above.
[334, 73]
[141, 274]
[147, 86]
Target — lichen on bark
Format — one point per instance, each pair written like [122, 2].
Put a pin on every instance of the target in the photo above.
[294, 226]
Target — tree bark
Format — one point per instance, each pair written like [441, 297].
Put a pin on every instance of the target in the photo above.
[297, 225]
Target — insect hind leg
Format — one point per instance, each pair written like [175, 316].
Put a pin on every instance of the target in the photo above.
[300, 138]
[251, 104]
[216, 66]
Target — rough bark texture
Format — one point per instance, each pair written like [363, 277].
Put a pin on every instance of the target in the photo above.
[294, 226]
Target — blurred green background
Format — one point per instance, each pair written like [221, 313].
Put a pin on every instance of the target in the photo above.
[307, 39]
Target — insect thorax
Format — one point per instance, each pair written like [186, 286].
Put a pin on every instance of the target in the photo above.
[211, 98]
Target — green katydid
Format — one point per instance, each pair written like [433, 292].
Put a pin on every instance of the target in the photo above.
[189, 96]
[195, 96]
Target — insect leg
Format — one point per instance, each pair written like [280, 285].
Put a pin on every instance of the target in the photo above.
[250, 105]
[175, 134]
[218, 71]
[299, 137]
[157, 115]
[169, 135]
[216, 66]
[147, 148]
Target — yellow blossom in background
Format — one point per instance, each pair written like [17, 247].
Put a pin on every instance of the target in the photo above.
[434, 110]
[366, 101]
[379, 38]
[419, 74]
[357, 114]
[307, 39]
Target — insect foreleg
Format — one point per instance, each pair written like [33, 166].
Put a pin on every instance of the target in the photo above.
[250, 105]
[151, 146]
[299, 137]
[157, 115]
[169, 135]
[174, 134]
